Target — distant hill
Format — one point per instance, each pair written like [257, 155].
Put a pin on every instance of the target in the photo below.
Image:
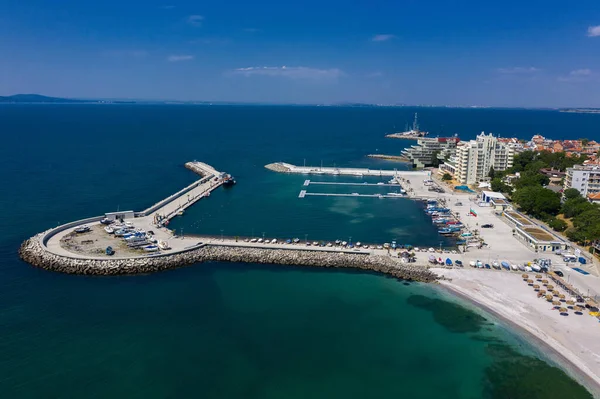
[36, 98]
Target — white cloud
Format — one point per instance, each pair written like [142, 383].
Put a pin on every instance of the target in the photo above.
[382, 38]
[593, 31]
[290, 72]
[581, 72]
[178, 58]
[577, 75]
[517, 70]
[195, 20]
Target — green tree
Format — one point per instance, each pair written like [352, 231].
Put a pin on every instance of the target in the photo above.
[529, 178]
[435, 161]
[558, 224]
[575, 206]
[571, 193]
[447, 177]
[492, 173]
[537, 201]
[584, 142]
[498, 186]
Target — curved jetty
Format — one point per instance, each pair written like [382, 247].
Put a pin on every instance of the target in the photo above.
[34, 252]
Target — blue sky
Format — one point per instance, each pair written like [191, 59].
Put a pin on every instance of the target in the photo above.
[509, 53]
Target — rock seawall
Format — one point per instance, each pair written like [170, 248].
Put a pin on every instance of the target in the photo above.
[34, 253]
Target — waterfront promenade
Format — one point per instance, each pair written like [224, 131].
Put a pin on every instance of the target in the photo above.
[327, 170]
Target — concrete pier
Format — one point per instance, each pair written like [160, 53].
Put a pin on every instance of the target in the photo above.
[360, 172]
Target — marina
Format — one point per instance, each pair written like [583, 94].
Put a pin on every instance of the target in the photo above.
[381, 184]
[334, 171]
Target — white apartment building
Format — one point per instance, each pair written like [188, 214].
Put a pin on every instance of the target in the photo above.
[585, 179]
[475, 158]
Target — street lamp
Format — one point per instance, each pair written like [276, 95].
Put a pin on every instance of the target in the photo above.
[263, 233]
[350, 240]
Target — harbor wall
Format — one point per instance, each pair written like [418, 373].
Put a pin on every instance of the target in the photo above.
[33, 252]
[45, 236]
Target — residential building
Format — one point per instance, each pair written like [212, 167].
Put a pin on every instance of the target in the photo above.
[423, 153]
[475, 158]
[585, 179]
[594, 198]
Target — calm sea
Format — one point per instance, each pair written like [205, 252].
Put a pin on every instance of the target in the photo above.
[234, 330]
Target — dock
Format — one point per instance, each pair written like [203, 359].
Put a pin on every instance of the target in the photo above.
[303, 194]
[183, 199]
[359, 172]
[309, 182]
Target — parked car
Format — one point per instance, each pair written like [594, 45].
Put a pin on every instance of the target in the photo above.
[487, 226]
[559, 273]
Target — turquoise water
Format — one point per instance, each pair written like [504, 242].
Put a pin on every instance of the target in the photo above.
[464, 188]
[233, 330]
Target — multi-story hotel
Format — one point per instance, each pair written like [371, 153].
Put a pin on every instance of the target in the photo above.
[475, 158]
[585, 179]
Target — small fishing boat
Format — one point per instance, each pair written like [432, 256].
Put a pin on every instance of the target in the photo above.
[106, 221]
[109, 230]
[274, 241]
[496, 265]
[380, 247]
[180, 213]
[521, 267]
[528, 269]
[479, 264]
[386, 245]
[505, 265]
[129, 224]
[514, 267]
[366, 246]
[82, 229]
[344, 243]
[358, 244]
[288, 241]
[259, 240]
[458, 263]
[472, 263]
[163, 245]
[535, 267]
[448, 262]
[337, 242]
[329, 244]
[151, 248]
[394, 245]
[296, 240]
[487, 266]
[315, 243]
[110, 251]
[432, 259]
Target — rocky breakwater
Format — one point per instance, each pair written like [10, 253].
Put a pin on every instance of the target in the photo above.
[277, 167]
[33, 252]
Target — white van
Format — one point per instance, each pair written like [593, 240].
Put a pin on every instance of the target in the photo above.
[569, 258]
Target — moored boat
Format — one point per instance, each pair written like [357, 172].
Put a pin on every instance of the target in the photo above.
[151, 248]
[505, 265]
[109, 229]
[110, 251]
[82, 229]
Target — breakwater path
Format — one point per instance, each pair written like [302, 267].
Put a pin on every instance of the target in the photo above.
[33, 252]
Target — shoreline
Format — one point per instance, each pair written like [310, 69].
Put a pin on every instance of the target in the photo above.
[572, 367]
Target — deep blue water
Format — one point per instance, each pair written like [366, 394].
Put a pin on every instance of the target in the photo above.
[243, 331]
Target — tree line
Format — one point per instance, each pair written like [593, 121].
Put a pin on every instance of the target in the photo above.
[569, 213]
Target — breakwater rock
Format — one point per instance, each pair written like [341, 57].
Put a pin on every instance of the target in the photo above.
[277, 167]
[33, 252]
[389, 157]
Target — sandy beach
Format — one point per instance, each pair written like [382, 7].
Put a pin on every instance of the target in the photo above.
[573, 339]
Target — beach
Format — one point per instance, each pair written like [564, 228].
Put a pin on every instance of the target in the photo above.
[572, 339]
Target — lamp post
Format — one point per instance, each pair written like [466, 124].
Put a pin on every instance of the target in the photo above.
[263, 234]
[350, 240]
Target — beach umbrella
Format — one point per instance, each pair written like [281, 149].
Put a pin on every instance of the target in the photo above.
[545, 281]
[530, 281]
[561, 296]
[556, 303]
[525, 276]
[562, 310]
[536, 287]
[571, 303]
[555, 293]
[549, 298]
[578, 309]
[542, 292]
[550, 287]
[538, 276]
